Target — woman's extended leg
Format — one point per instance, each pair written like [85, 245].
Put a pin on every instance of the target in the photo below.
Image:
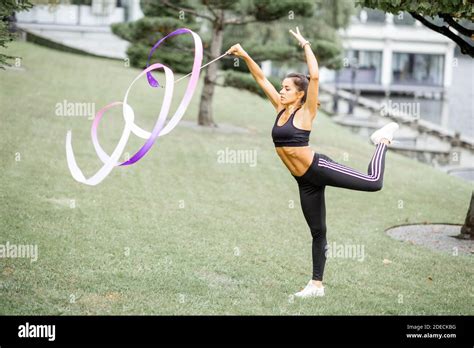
[335, 174]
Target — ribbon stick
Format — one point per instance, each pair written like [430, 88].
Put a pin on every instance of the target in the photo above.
[212, 61]
[129, 116]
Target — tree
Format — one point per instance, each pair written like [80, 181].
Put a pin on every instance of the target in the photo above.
[455, 14]
[7, 10]
[467, 230]
[229, 22]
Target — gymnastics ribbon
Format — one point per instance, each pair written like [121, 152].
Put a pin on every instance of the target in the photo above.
[129, 116]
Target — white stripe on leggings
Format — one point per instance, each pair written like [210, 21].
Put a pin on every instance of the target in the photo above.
[346, 170]
[372, 161]
[377, 152]
[353, 172]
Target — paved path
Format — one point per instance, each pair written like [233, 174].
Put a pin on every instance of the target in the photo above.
[98, 40]
[434, 236]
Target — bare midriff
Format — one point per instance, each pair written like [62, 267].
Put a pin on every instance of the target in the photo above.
[296, 158]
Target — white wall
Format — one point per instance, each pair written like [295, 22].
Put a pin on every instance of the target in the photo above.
[389, 38]
[69, 15]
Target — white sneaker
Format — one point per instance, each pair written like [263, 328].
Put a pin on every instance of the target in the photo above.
[310, 290]
[384, 132]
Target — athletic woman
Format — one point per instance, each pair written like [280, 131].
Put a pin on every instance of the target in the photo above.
[296, 105]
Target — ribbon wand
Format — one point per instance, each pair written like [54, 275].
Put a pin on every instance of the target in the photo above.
[212, 61]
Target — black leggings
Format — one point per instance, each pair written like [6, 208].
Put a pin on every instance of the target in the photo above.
[323, 172]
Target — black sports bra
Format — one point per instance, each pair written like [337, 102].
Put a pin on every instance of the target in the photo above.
[288, 134]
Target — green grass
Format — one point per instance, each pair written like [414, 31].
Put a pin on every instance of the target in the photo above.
[237, 246]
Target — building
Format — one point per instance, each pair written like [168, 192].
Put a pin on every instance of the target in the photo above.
[393, 53]
[83, 27]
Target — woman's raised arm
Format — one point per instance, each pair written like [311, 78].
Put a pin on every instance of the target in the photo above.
[311, 104]
[258, 75]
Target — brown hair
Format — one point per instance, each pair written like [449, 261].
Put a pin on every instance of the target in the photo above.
[301, 82]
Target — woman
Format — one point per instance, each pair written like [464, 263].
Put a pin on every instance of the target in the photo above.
[296, 105]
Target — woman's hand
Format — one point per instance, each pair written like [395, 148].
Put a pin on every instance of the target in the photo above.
[237, 50]
[299, 37]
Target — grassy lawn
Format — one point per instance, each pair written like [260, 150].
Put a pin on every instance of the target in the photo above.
[180, 233]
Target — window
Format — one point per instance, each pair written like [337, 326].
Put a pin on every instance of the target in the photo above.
[403, 18]
[375, 16]
[417, 69]
[362, 67]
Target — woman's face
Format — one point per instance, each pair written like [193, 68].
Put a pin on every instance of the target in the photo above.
[289, 93]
